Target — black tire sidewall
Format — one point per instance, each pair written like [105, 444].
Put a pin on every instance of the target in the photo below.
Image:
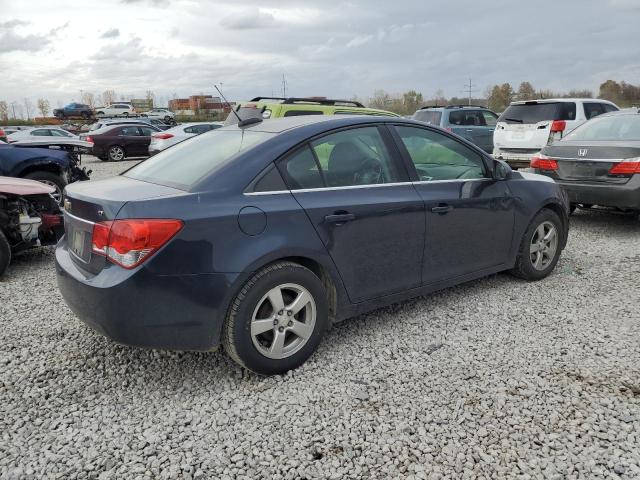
[241, 325]
[526, 265]
[5, 253]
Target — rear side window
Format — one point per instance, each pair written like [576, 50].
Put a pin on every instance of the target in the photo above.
[533, 112]
[470, 118]
[490, 118]
[128, 131]
[428, 116]
[302, 170]
[609, 108]
[593, 110]
[296, 113]
[186, 163]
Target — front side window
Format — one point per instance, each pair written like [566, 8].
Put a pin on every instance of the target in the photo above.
[59, 133]
[40, 133]
[128, 132]
[593, 110]
[439, 157]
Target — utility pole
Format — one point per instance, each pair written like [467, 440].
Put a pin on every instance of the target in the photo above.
[469, 89]
[13, 108]
[284, 86]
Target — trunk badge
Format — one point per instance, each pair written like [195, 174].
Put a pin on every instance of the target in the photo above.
[582, 152]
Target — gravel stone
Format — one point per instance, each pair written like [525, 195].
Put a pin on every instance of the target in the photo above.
[497, 378]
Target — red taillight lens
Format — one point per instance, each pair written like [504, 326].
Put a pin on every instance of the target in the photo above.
[128, 243]
[543, 162]
[88, 139]
[626, 168]
[558, 126]
[162, 136]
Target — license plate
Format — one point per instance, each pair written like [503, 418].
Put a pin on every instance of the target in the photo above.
[77, 243]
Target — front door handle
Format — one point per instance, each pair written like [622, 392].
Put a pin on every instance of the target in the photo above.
[339, 217]
[442, 209]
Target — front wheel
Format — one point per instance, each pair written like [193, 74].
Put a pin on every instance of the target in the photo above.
[116, 153]
[540, 247]
[277, 320]
[51, 179]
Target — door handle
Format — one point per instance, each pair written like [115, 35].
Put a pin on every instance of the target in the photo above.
[340, 217]
[469, 129]
[442, 209]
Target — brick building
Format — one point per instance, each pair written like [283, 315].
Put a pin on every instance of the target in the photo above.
[198, 104]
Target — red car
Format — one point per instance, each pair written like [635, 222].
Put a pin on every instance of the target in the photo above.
[29, 217]
[116, 142]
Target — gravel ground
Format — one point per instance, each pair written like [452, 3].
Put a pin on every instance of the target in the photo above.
[497, 378]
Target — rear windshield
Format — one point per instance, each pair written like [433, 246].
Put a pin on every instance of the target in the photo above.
[428, 116]
[190, 161]
[614, 127]
[539, 112]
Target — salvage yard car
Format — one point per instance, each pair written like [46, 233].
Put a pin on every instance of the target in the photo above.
[29, 217]
[259, 235]
[116, 142]
[74, 110]
[526, 127]
[598, 163]
[163, 140]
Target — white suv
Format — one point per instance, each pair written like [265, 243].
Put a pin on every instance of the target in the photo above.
[116, 110]
[524, 128]
[160, 114]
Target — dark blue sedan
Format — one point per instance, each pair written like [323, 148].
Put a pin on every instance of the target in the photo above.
[259, 236]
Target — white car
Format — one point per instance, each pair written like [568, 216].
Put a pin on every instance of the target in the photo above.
[526, 127]
[163, 140]
[40, 132]
[116, 110]
[160, 114]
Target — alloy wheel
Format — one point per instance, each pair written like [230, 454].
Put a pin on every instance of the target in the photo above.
[544, 244]
[116, 154]
[57, 195]
[283, 321]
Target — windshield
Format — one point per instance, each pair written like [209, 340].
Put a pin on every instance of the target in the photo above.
[615, 127]
[538, 112]
[187, 162]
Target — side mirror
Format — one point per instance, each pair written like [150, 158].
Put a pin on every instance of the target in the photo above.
[501, 170]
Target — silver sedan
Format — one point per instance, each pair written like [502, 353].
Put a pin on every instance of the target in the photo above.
[163, 140]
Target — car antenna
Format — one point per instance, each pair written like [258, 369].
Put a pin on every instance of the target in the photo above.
[241, 123]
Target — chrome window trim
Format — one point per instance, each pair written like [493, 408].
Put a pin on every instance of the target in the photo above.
[427, 182]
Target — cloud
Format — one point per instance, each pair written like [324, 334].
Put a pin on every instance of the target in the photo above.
[111, 33]
[10, 41]
[249, 19]
[155, 3]
[54, 31]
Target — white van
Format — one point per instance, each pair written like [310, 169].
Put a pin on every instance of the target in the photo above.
[526, 127]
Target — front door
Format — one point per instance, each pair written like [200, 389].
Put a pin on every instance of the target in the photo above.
[469, 215]
[367, 214]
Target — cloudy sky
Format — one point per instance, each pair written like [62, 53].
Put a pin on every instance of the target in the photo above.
[323, 47]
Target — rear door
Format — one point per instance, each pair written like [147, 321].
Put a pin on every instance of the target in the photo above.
[129, 137]
[469, 215]
[370, 218]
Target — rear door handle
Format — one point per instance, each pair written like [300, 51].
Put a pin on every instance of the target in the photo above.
[340, 217]
[442, 209]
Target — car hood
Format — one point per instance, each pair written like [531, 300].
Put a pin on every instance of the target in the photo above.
[22, 153]
[22, 186]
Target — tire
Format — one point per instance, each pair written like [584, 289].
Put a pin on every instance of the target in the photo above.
[125, 114]
[116, 153]
[525, 266]
[258, 351]
[52, 179]
[572, 208]
[5, 253]
[99, 113]
[585, 206]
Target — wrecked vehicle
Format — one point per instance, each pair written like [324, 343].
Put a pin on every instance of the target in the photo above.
[29, 217]
[56, 168]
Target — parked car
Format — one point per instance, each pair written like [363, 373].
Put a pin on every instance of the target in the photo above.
[56, 168]
[116, 110]
[74, 110]
[525, 128]
[29, 217]
[116, 142]
[163, 140]
[276, 107]
[129, 121]
[40, 132]
[598, 163]
[161, 114]
[473, 123]
[259, 235]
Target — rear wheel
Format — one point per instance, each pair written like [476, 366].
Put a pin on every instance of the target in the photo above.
[5, 253]
[277, 320]
[51, 179]
[116, 153]
[540, 247]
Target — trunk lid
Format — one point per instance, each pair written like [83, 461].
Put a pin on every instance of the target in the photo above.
[523, 137]
[87, 203]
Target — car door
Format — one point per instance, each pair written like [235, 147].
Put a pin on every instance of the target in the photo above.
[357, 195]
[469, 215]
[129, 137]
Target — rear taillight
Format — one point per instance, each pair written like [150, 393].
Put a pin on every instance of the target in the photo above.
[128, 243]
[558, 126]
[542, 162]
[626, 168]
[162, 136]
[88, 139]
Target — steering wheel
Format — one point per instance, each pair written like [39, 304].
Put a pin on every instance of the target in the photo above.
[370, 172]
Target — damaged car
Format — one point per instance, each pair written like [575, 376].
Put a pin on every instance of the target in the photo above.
[29, 217]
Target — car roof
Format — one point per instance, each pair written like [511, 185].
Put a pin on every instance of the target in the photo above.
[556, 100]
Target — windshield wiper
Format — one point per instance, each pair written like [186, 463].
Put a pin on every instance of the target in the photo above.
[517, 120]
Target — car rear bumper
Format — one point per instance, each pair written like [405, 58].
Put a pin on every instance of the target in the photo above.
[626, 196]
[515, 160]
[144, 309]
